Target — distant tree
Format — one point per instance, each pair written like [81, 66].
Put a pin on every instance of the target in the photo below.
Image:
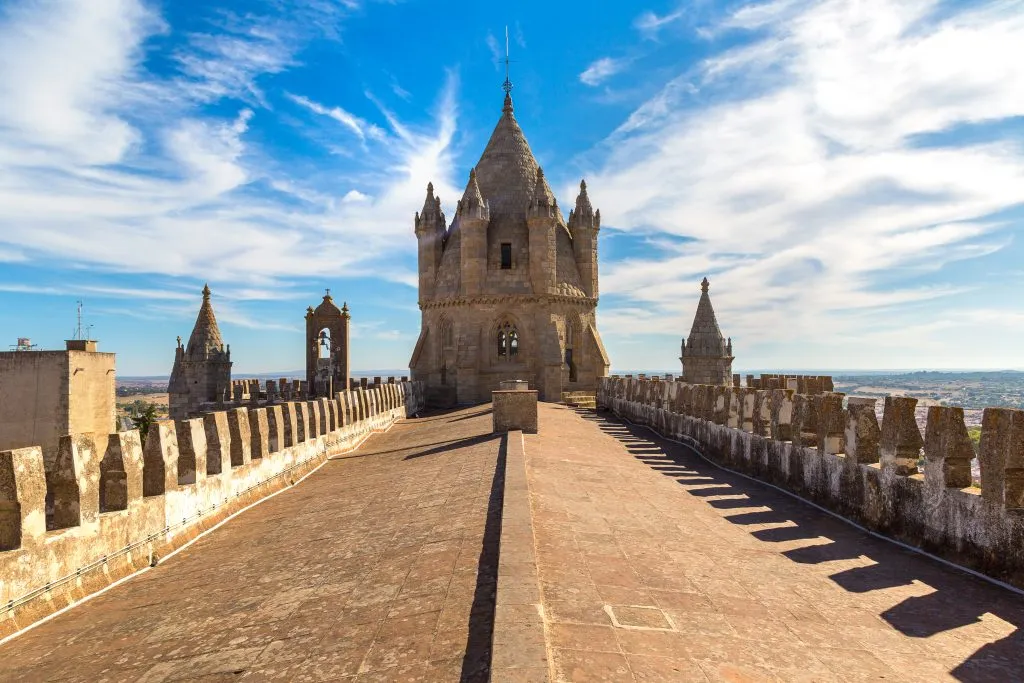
[975, 435]
[143, 419]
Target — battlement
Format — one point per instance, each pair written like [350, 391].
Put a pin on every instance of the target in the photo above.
[264, 393]
[832, 450]
[109, 506]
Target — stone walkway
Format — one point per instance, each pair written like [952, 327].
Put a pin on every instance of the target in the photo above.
[380, 566]
[656, 566]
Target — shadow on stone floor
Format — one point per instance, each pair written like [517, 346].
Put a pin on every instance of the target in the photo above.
[476, 662]
[454, 445]
[958, 599]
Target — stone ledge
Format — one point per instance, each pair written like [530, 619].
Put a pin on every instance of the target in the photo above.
[519, 646]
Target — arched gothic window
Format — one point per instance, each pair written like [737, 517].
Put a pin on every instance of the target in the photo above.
[508, 341]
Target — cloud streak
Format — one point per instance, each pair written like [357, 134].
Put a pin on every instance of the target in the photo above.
[601, 70]
[106, 165]
[793, 162]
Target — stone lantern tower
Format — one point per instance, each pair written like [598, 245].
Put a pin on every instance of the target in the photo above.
[706, 355]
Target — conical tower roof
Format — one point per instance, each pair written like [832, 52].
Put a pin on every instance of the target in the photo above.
[705, 336]
[507, 170]
[205, 339]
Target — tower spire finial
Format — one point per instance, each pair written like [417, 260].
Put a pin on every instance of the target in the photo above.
[507, 85]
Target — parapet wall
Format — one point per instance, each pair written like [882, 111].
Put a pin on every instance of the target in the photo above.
[115, 507]
[255, 392]
[839, 457]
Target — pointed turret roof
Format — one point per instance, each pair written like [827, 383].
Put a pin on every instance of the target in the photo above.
[472, 198]
[705, 336]
[205, 337]
[583, 205]
[507, 170]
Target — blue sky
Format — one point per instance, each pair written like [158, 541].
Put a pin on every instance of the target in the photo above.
[848, 173]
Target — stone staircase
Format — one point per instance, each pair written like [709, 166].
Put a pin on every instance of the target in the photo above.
[580, 399]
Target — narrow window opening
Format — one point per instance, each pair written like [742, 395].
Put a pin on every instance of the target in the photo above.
[506, 255]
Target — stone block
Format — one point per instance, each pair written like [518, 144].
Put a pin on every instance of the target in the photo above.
[241, 437]
[160, 459]
[192, 450]
[782, 414]
[23, 493]
[259, 431]
[805, 421]
[1000, 455]
[947, 448]
[218, 443]
[514, 409]
[831, 423]
[862, 431]
[901, 441]
[275, 428]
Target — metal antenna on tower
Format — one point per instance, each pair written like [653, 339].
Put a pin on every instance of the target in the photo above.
[78, 327]
[507, 85]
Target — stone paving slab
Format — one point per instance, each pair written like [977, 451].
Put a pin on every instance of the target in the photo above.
[657, 566]
[380, 566]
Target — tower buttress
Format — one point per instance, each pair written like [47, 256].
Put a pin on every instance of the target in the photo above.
[430, 232]
[584, 225]
[473, 215]
[541, 221]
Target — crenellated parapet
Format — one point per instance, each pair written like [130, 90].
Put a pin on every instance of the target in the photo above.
[108, 506]
[255, 393]
[832, 450]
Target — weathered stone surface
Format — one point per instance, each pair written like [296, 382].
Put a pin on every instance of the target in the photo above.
[241, 444]
[515, 410]
[901, 442]
[947, 448]
[999, 454]
[831, 423]
[862, 431]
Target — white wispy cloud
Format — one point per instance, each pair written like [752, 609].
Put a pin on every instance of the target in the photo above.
[107, 165]
[601, 70]
[361, 128]
[650, 24]
[800, 173]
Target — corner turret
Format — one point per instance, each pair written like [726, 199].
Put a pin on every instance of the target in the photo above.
[542, 221]
[584, 225]
[430, 234]
[472, 218]
[706, 356]
[202, 369]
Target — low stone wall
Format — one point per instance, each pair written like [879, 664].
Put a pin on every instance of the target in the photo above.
[518, 651]
[839, 457]
[514, 409]
[108, 506]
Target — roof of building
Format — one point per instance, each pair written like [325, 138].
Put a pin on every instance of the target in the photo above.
[205, 338]
[507, 170]
[705, 336]
[507, 179]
